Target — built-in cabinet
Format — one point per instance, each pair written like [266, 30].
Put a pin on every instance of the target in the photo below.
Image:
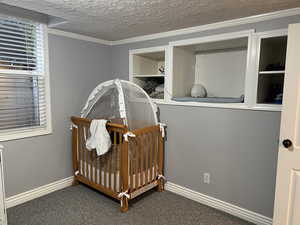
[271, 58]
[233, 70]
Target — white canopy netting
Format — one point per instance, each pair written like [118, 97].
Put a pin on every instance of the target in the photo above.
[123, 102]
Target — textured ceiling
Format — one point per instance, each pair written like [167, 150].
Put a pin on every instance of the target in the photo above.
[119, 19]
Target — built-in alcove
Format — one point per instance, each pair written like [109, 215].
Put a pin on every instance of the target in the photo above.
[148, 69]
[219, 66]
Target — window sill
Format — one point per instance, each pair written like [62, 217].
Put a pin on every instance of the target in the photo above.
[24, 133]
[243, 106]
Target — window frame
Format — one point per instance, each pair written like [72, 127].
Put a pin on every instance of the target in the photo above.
[20, 133]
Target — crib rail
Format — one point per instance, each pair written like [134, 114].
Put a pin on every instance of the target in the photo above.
[131, 166]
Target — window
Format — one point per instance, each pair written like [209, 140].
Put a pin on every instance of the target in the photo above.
[24, 95]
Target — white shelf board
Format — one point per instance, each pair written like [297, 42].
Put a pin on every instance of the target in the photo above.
[269, 107]
[272, 72]
[243, 106]
[149, 75]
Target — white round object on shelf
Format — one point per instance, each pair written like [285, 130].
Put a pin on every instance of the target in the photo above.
[198, 91]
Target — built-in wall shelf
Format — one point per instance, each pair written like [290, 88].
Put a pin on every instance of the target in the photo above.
[151, 76]
[148, 68]
[270, 107]
[271, 68]
[239, 70]
[272, 72]
[218, 63]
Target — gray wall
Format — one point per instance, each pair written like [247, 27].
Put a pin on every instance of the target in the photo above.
[238, 147]
[76, 67]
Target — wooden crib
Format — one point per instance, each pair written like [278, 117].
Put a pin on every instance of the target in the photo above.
[132, 166]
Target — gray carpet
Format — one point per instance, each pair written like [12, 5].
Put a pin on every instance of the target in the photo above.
[80, 205]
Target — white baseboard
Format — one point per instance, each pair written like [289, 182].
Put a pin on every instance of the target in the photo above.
[220, 205]
[38, 192]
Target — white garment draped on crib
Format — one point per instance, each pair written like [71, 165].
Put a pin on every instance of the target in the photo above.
[100, 138]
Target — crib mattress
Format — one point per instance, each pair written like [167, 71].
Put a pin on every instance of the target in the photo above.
[83, 165]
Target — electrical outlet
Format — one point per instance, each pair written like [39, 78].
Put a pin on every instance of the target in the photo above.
[206, 178]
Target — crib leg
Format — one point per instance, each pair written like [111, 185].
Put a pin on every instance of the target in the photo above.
[161, 185]
[124, 204]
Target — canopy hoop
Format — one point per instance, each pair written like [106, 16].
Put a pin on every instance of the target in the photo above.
[99, 91]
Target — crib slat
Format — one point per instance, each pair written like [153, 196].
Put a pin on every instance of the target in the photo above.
[97, 169]
[147, 148]
[88, 161]
[94, 166]
[90, 157]
[136, 166]
[105, 169]
[151, 156]
[83, 154]
[109, 168]
[155, 154]
[91, 164]
[151, 147]
[142, 149]
[100, 169]
[86, 155]
[131, 168]
[133, 155]
[115, 158]
[82, 151]
[79, 149]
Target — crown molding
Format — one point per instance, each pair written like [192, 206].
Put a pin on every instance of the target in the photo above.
[213, 26]
[189, 30]
[78, 36]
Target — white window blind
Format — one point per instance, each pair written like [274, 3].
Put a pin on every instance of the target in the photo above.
[22, 75]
